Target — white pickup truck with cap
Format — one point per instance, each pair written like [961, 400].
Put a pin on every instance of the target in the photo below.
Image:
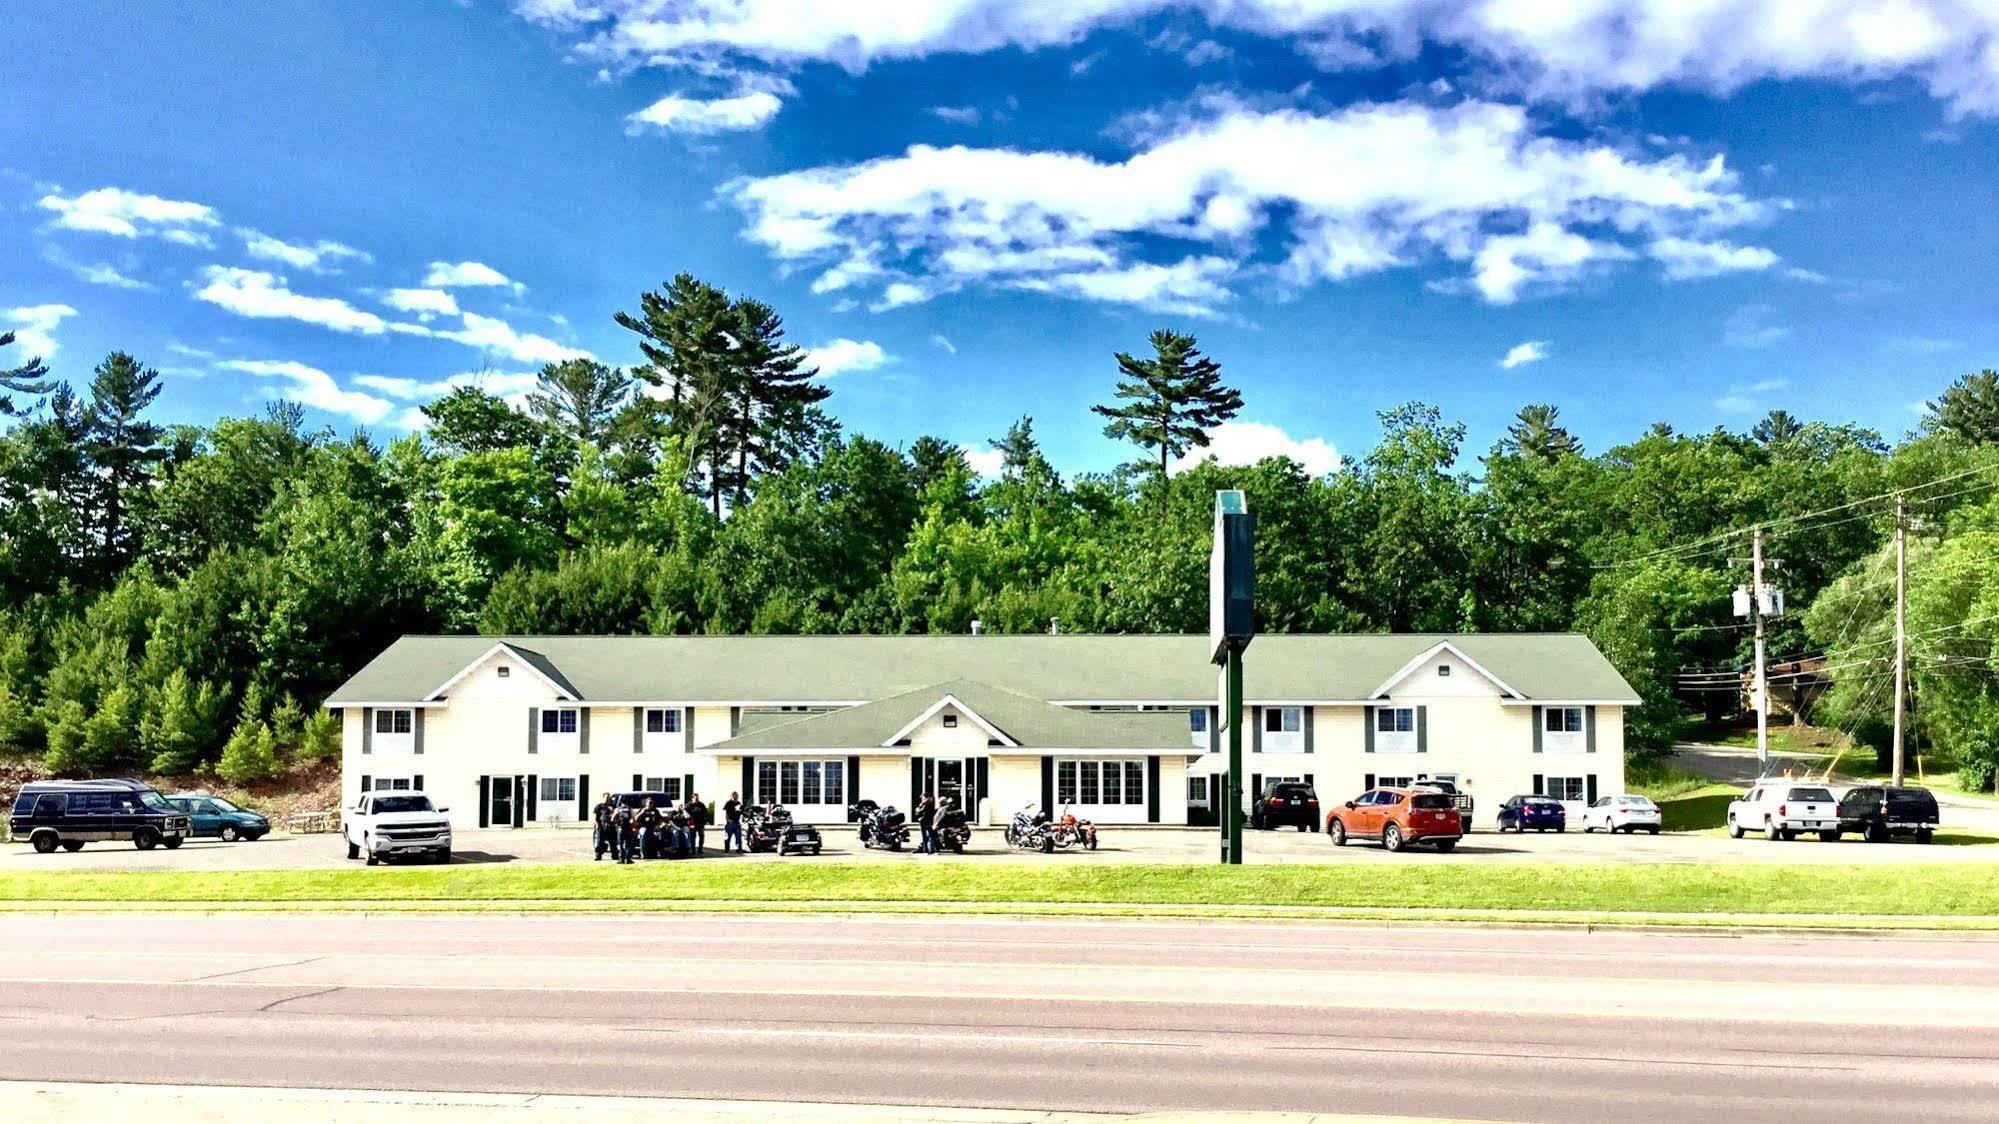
[387, 825]
[1781, 808]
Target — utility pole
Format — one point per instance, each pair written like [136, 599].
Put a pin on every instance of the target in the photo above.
[1901, 626]
[1762, 688]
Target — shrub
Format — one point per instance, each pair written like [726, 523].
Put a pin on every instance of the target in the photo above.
[251, 754]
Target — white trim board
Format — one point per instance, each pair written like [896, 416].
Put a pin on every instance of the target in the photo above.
[561, 692]
[991, 730]
[1432, 653]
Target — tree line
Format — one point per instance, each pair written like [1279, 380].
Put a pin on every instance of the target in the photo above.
[174, 597]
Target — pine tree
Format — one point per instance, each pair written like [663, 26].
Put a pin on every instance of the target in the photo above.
[1537, 435]
[122, 448]
[684, 333]
[1777, 428]
[1018, 450]
[1172, 400]
[578, 398]
[174, 731]
[321, 737]
[31, 378]
[770, 392]
[1969, 408]
[287, 722]
[251, 754]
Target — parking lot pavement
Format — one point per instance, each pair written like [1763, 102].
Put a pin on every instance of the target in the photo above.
[1146, 845]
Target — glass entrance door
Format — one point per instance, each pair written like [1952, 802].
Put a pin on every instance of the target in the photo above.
[954, 780]
[501, 802]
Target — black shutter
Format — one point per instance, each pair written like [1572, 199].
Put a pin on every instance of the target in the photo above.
[1367, 729]
[520, 802]
[1589, 788]
[416, 731]
[1048, 785]
[1589, 727]
[1309, 784]
[1255, 785]
[1422, 729]
[1256, 729]
[1537, 733]
[1540, 785]
[638, 729]
[915, 781]
[686, 787]
[367, 729]
[365, 782]
[1368, 781]
[687, 728]
[417, 783]
[485, 801]
[750, 780]
[853, 784]
[534, 730]
[1306, 721]
[1152, 790]
[534, 794]
[583, 797]
[978, 786]
[583, 730]
[638, 783]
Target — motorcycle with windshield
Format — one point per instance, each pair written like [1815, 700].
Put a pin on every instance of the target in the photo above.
[1070, 831]
[1029, 831]
[882, 827]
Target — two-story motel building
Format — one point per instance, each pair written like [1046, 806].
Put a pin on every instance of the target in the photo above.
[525, 730]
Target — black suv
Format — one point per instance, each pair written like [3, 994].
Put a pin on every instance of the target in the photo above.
[1877, 812]
[68, 814]
[1285, 802]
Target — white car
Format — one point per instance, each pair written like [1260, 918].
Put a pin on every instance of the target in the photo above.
[1623, 813]
[384, 825]
[1783, 809]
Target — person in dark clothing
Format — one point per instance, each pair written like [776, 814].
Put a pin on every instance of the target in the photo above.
[603, 836]
[697, 823]
[732, 823]
[678, 837]
[926, 818]
[625, 831]
[650, 821]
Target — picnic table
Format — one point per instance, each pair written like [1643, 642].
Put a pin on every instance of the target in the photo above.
[310, 823]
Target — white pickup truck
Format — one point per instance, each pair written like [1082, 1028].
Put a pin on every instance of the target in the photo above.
[385, 825]
[1783, 809]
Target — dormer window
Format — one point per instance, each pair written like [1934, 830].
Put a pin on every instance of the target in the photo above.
[1443, 671]
[503, 671]
[950, 722]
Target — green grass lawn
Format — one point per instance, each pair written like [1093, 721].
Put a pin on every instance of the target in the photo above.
[1964, 891]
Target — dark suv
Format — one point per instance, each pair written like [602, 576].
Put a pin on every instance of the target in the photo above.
[1878, 812]
[1286, 802]
[68, 814]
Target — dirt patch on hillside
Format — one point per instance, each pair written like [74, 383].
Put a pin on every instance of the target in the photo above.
[306, 786]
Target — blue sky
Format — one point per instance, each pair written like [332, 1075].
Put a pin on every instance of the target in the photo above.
[965, 206]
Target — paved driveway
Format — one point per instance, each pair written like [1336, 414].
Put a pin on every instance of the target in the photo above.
[1149, 845]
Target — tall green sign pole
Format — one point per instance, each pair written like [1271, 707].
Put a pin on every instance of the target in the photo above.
[1231, 626]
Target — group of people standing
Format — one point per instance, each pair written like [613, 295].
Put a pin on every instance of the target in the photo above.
[627, 832]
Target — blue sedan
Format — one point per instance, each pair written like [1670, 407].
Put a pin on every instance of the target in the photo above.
[1533, 813]
[215, 816]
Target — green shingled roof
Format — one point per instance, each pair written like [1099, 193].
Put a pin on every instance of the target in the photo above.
[768, 670]
[1030, 723]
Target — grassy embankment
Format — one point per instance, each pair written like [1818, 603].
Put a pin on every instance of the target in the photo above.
[1967, 894]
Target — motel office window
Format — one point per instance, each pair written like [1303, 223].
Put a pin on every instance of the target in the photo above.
[662, 721]
[802, 782]
[394, 721]
[558, 721]
[1099, 782]
[1197, 790]
[558, 790]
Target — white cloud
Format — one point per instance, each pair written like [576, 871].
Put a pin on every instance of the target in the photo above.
[944, 344]
[313, 387]
[318, 257]
[957, 114]
[1751, 327]
[1245, 443]
[1687, 258]
[494, 335]
[843, 355]
[424, 302]
[102, 273]
[131, 214]
[263, 296]
[34, 328]
[467, 275]
[1403, 185]
[986, 462]
[1565, 51]
[1748, 397]
[705, 116]
[511, 385]
[1521, 354]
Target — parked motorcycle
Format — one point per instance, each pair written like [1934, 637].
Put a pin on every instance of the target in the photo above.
[771, 828]
[880, 826]
[954, 829]
[1069, 832]
[1029, 831]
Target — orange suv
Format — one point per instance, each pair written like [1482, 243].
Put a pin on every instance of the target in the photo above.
[1399, 817]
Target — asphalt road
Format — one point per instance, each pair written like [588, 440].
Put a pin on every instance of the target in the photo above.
[1016, 1013]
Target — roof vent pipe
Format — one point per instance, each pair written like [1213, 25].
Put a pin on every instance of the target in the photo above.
[977, 627]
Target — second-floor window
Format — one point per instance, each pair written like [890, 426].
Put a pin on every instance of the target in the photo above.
[1562, 728]
[394, 721]
[560, 723]
[1283, 728]
[662, 721]
[1395, 729]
